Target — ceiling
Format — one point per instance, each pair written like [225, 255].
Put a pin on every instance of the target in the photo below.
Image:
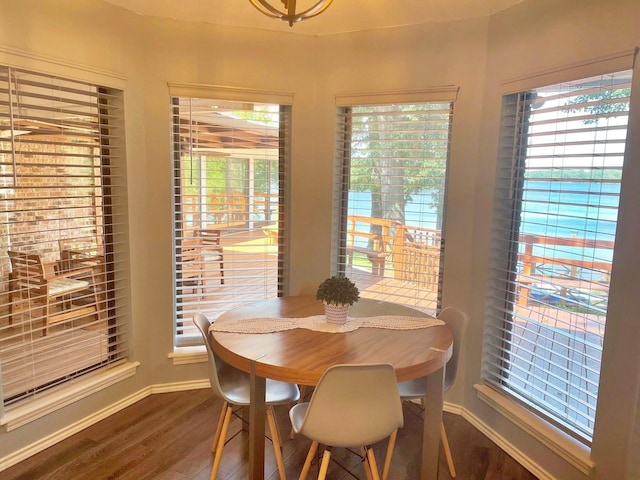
[342, 16]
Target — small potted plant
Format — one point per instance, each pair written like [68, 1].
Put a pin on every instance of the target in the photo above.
[337, 293]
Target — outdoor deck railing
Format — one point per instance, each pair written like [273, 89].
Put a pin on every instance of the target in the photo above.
[413, 255]
[565, 274]
[228, 210]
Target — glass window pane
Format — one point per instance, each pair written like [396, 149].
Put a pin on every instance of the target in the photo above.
[391, 182]
[557, 203]
[229, 233]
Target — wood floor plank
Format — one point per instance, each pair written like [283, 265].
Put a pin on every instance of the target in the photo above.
[168, 437]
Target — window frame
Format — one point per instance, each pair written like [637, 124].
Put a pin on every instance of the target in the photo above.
[224, 95]
[108, 133]
[489, 390]
[345, 228]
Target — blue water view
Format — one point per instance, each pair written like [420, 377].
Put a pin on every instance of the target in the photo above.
[579, 210]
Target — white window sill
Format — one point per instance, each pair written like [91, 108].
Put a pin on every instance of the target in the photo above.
[187, 355]
[568, 448]
[65, 395]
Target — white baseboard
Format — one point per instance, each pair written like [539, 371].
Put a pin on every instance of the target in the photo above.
[569, 449]
[49, 440]
[507, 447]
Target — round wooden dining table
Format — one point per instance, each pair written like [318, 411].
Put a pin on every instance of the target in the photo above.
[302, 355]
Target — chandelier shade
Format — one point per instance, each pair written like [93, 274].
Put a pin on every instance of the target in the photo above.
[287, 12]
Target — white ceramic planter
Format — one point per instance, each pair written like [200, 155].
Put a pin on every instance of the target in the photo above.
[336, 314]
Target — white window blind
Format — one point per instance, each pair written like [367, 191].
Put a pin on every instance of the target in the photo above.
[556, 207]
[230, 161]
[390, 199]
[61, 199]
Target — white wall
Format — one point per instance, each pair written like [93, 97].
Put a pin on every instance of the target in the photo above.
[534, 37]
[476, 55]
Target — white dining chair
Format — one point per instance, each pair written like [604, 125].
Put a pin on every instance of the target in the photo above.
[352, 406]
[416, 389]
[232, 386]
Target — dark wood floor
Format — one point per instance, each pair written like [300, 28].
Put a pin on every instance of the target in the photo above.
[168, 436]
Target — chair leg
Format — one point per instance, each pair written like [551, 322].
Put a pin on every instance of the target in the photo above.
[445, 446]
[324, 466]
[373, 466]
[365, 464]
[447, 451]
[47, 312]
[10, 306]
[387, 460]
[223, 436]
[216, 437]
[308, 460]
[275, 439]
[96, 297]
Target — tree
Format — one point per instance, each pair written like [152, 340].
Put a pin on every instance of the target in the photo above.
[607, 103]
[398, 151]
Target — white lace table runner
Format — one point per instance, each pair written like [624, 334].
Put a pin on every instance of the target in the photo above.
[319, 323]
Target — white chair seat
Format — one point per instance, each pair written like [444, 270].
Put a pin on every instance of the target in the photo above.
[412, 389]
[297, 414]
[235, 384]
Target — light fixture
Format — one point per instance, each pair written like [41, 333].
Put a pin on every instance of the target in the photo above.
[288, 13]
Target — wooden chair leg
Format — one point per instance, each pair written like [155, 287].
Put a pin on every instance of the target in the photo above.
[96, 297]
[373, 466]
[447, 451]
[308, 460]
[216, 436]
[387, 460]
[10, 306]
[47, 312]
[275, 439]
[365, 464]
[324, 466]
[445, 446]
[219, 448]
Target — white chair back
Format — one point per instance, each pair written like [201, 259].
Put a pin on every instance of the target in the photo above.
[354, 405]
[203, 324]
[457, 321]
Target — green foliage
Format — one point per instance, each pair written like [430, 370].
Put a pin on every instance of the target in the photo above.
[602, 104]
[224, 174]
[386, 145]
[338, 290]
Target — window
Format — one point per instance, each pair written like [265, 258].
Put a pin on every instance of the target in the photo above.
[390, 198]
[61, 200]
[229, 174]
[556, 207]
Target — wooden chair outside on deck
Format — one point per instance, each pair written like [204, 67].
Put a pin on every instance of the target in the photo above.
[80, 252]
[61, 295]
[211, 248]
[375, 233]
[190, 264]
